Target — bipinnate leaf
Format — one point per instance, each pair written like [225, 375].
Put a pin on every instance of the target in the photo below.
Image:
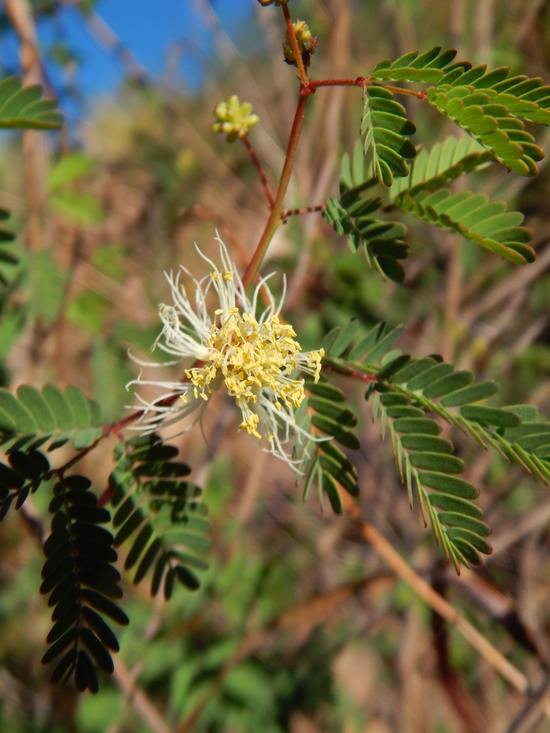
[159, 512]
[385, 127]
[80, 576]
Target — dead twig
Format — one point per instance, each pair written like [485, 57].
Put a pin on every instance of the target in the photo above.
[423, 589]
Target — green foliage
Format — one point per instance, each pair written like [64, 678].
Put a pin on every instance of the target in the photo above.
[22, 477]
[432, 67]
[385, 125]
[24, 108]
[490, 106]
[6, 254]
[487, 223]
[381, 241]
[48, 285]
[160, 512]
[324, 410]
[404, 392]
[48, 416]
[80, 576]
[443, 163]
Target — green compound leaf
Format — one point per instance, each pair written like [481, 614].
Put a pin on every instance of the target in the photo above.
[328, 466]
[80, 577]
[405, 398]
[159, 512]
[430, 67]
[490, 106]
[381, 241]
[24, 108]
[385, 126]
[473, 216]
[51, 414]
[446, 161]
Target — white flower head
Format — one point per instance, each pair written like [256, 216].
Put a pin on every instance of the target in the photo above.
[255, 359]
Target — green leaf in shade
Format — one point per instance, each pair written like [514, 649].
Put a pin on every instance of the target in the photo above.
[426, 443]
[339, 433]
[437, 462]
[386, 343]
[333, 493]
[59, 406]
[370, 340]
[468, 395]
[327, 391]
[38, 407]
[450, 383]
[491, 416]
[429, 376]
[474, 539]
[344, 338]
[80, 407]
[417, 425]
[23, 419]
[412, 370]
[449, 484]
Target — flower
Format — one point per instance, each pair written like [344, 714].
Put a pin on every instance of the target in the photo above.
[234, 119]
[306, 44]
[255, 359]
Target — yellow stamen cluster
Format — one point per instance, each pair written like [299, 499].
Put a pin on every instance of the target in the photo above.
[251, 357]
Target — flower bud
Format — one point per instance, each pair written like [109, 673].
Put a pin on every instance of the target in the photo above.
[265, 3]
[234, 119]
[306, 44]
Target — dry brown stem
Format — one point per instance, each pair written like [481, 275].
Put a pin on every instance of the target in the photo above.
[20, 15]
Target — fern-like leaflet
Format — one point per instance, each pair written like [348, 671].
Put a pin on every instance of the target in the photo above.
[161, 512]
[80, 576]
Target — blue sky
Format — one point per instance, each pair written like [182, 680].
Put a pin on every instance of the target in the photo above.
[147, 27]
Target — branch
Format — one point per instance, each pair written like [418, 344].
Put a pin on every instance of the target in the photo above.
[294, 43]
[275, 216]
[261, 172]
[423, 589]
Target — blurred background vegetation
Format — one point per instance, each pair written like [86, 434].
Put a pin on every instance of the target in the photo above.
[298, 627]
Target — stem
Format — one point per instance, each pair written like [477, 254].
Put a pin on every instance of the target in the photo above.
[400, 90]
[275, 216]
[304, 210]
[423, 589]
[294, 43]
[260, 170]
[360, 81]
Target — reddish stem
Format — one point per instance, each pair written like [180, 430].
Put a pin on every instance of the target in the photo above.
[360, 81]
[349, 371]
[294, 44]
[299, 212]
[261, 172]
[275, 216]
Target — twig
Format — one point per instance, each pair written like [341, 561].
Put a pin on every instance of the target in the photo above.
[339, 56]
[20, 15]
[294, 44]
[275, 216]
[300, 212]
[261, 172]
[533, 712]
[423, 589]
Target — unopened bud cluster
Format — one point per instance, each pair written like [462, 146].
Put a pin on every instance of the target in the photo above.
[306, 44]
[234, 119]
